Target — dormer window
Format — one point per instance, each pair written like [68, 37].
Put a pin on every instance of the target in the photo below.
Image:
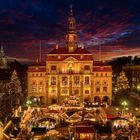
[87, 67]
[59, 57]
[53, 68]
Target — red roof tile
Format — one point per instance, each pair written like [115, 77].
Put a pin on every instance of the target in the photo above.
[64, 50]
[102, 68]
[36, 69]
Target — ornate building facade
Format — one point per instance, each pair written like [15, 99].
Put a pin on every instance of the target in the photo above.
[70, 70]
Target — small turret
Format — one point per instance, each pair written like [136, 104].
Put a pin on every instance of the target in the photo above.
[2, 54]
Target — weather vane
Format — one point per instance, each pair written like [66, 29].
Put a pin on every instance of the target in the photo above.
[71, 10]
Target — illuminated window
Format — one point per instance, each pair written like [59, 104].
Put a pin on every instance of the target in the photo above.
[87, 67]
[104, 83]
[97, 74]
[86, 80]
[37, 75]
[53, 68]
[53, 81]
[64, 91]
[101, 74]
[33, 87]
[76, 91]
[33, 74]
[86, 91]
[76, 80]
[41, 87]
[64, 81]
[53, 91]
[104, 89]
[97, 89]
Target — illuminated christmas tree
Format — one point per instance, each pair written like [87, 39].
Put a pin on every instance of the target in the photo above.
[122, 83]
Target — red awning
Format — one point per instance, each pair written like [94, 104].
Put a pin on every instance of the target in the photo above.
[110, 116]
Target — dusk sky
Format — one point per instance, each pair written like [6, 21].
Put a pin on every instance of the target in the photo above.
[115, 24]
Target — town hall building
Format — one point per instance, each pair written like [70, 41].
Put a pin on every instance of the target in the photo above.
[70, 71]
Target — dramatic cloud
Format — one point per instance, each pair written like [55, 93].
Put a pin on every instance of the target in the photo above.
[114, 25]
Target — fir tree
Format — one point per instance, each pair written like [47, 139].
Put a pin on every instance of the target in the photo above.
[122, 83]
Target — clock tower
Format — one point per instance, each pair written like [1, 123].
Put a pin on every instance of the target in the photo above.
[71, 35]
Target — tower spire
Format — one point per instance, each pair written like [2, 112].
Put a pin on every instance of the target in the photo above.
[71, 35]
[71, 10]
[2, 51]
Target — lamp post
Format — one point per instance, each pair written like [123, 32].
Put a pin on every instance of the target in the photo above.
[124, 104]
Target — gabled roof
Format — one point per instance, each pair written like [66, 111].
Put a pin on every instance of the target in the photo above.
[64, 50]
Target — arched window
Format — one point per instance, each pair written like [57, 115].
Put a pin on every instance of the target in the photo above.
[76, 91]
[76, 80]
[86, 91]
[64, 81]
[53, 81]
[97, 89]
[86, 80]
[104, 89]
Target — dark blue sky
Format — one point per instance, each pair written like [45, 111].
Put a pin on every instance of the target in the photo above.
[115, 24]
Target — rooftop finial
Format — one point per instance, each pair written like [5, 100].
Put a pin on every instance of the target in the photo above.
[1, 51]
[1, 47]
[71, 10]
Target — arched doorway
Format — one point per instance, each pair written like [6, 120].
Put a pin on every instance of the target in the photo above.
[97, 99]
[106, 99]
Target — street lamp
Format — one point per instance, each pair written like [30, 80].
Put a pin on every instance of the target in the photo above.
[28, 103]
[124, 104]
